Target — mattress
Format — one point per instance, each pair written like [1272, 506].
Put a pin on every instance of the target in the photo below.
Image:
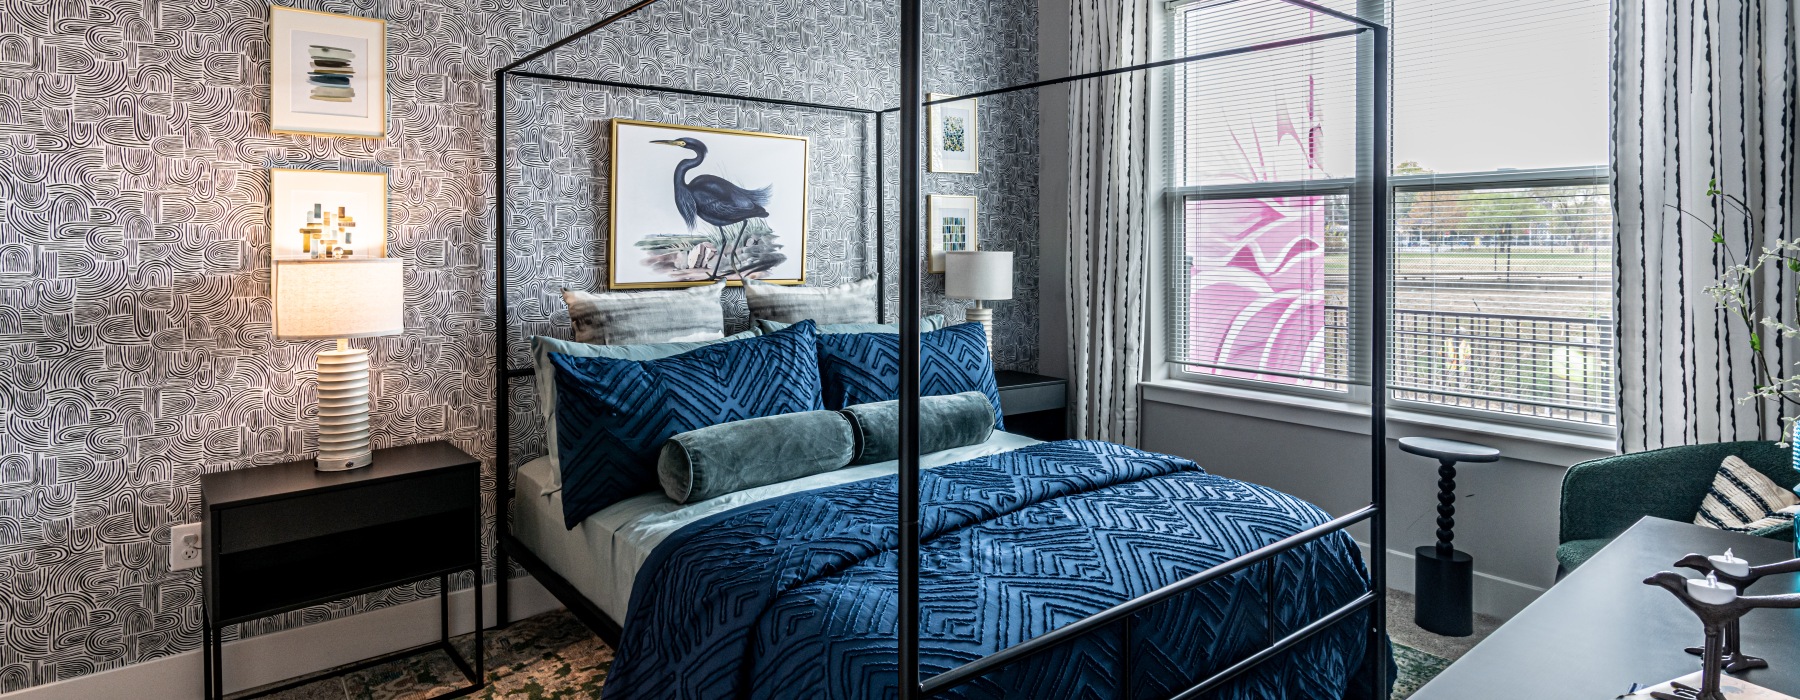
[602, 555]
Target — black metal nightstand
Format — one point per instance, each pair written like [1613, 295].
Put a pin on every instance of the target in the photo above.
[1035, 406]
[288, 536]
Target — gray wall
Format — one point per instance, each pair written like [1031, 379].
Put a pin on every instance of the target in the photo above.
[1506, 512]
[135, 345]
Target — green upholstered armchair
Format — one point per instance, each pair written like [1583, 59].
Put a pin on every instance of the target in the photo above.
[1603, 497]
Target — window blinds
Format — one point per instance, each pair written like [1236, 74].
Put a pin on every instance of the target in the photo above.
[1265, 291]
[1263, 155]
[1502, 299]
[1514, 84]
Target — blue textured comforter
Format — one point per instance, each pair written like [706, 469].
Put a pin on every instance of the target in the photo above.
[796, 597]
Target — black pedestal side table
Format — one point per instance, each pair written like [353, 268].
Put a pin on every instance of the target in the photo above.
[1444, 578]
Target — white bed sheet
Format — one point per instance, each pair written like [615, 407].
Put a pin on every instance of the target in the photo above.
[602, 555]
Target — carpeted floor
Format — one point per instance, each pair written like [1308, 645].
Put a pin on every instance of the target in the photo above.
[552, 656]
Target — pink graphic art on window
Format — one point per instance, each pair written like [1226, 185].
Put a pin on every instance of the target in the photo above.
[1258, 268]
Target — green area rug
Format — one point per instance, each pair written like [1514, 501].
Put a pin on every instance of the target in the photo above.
[552, 656]
[1416, 669]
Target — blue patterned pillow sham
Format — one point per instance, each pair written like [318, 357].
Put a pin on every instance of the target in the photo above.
[541, 349]
[859, 368]
[613, 416]
[927, 324]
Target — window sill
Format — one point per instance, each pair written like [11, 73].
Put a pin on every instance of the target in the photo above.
[1528, 443]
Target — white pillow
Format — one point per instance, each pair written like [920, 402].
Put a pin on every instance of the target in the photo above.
[1744, 500]
[851, 302]
[639, 318]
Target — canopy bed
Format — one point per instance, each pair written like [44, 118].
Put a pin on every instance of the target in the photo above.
[1162, 580]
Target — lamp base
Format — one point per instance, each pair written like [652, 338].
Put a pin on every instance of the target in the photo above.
[985, 317]
[344, 409]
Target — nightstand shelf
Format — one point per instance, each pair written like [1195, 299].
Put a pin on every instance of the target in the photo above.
[1035, 405]
[287, 536]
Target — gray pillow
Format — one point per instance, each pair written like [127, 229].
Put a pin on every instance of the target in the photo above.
[635, 318]
[927, 324]
[717, 460]
[846, 303]
[945, 422]
[542, 346]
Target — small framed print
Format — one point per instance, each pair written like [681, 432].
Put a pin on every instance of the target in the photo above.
[953, 227]
[327, 214]
[955, 136]
[327, 74]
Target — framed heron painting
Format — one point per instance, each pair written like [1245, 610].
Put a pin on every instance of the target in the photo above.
[694, 205]
[327, 74]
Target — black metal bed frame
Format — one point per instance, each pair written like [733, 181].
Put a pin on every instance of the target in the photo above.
[912, 105]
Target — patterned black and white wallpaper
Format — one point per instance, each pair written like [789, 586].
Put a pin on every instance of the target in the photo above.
[135, 347]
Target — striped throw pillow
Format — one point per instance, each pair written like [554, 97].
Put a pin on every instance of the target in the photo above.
[1743, 500]
[851, 302]
[640, 318]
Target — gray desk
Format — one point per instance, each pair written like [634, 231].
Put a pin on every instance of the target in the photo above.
[1601, 629]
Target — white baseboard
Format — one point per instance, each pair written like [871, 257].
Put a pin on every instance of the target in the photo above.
[277, 656]
[1499, 597]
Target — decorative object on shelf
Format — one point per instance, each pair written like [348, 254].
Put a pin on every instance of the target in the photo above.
[735, 207]
[1729, 570]
[340, 299]
[955, 135]
[327, 214]
[954, 222]
[981, 276]
[1718, 606]
[324, 236]
[1444, 577]
[327, 74]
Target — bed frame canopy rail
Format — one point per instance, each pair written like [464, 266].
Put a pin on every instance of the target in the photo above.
[1373, 169]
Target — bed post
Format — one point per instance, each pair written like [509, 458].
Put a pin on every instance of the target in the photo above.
[881, 307]
[1378, 357]
[503, 384]
[911, 97]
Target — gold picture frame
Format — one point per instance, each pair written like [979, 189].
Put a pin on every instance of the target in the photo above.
[954, 225]
[655, 241]
[327, 74]
[955, 139]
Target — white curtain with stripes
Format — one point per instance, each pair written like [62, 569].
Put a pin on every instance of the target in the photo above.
[1109, 217]
[1702, 89]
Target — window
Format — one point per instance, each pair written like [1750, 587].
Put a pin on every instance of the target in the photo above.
[1501, 228]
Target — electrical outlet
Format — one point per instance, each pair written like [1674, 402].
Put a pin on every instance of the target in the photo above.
[184, 546]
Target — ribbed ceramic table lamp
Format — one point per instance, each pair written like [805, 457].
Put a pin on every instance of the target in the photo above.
[340, 300]
[982, 275]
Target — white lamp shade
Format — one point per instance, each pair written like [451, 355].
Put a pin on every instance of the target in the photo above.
[349, 298]
[978, 274]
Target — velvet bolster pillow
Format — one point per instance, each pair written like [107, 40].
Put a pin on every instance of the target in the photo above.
[945, 422]
[713, 461]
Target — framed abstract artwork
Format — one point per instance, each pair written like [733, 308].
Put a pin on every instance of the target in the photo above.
[694, 205]
[952, 219]
[955, 136]
[327, 214]
[327, 74]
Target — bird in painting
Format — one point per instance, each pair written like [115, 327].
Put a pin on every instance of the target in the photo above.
[714, 199]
